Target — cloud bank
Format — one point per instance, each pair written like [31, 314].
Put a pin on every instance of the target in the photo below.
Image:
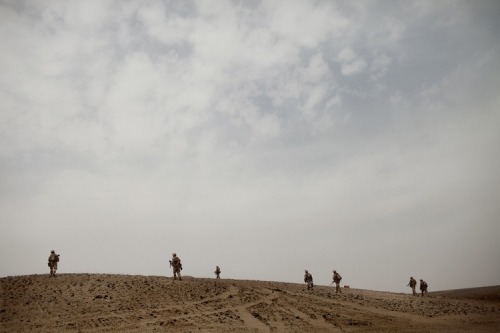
[265, 137]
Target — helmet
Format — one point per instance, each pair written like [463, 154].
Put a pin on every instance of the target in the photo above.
[174, 254]
[306, 270]
[52, 251]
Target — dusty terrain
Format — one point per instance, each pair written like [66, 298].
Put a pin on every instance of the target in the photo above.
[124, 303]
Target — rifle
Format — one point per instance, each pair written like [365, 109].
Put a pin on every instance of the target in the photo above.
[170, 262]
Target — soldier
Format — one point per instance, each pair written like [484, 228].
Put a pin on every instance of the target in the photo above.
[336, 279]
[53, 260]
[423, 287]
[176, 264]
[308, 278]
[217, 272]
[413, 285]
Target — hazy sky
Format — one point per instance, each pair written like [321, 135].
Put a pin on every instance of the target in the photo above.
[266, 137]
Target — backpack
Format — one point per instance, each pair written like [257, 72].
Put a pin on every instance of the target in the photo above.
[57, 258]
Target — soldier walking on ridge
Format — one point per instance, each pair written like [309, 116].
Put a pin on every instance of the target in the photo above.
[308, 278]
[217, 272]
[336, 279]
[413, 285]
[176, 265]
[423, 287]
[53, 260]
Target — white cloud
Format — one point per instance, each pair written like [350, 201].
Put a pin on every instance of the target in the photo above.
[379, 66]
[305, 23]
[395, 30]
[317, 70]
[162, 24]
[398, 100]
[353, 67]
[351, 63]
[346, 55]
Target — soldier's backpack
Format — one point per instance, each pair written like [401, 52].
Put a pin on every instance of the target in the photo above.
[57, 257]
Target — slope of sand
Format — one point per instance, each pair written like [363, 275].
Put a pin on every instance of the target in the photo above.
[124, 303]
[483, 293]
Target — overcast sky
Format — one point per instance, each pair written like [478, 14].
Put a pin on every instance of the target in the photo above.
[266, 137]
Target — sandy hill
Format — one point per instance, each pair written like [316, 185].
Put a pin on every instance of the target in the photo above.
[124, 303]
[484, 293]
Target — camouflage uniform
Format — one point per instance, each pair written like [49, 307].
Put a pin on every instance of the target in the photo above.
[53, 260]
[176, 266]
[413, 285]
[423, 287]
[336, 279]
[308, 279]
[217, 272]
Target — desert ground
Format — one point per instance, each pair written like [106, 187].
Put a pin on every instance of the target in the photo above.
[126, 303]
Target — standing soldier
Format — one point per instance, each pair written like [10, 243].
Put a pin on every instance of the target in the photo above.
[413, 285]
[217, 272]
[423, 287]
[53, 260]
[308, 278]
[336, 279]
[176, 265]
